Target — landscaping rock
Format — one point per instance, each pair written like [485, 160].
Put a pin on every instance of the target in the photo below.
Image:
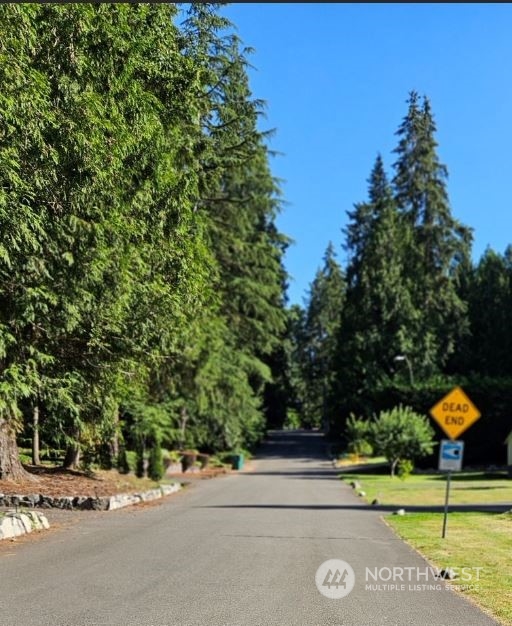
[375, 501]
[355, 484]
[168, 489]
[399, 512]
[87, 503]
[361, 493]
[447, 574]
[14, 524]
[148, 496]
[65, 503]
[99, 504]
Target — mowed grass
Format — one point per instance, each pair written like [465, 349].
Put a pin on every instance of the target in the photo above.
[422, 489]
[472, 540]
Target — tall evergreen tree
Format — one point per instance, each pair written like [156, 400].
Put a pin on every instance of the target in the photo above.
[96, 173]
[321, 325]
[490, 302]
[378, 309]
[239, 200]
[440, 243]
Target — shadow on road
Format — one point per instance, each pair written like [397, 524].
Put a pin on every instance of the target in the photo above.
[463, 508]
[313, 474]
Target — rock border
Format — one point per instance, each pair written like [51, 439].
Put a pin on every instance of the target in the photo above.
[87, 503]
[14, 524]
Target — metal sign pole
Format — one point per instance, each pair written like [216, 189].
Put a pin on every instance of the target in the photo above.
[448, 477]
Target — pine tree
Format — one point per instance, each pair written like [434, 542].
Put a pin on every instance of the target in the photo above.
[439, 244]
[378, 309]
[321, 324]
[490, 300]
[239, 200]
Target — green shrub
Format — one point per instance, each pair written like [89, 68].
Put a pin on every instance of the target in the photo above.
[405, 468]
[25, 458]
[140, 466]
[174, 456]
[156, 462]
[215, 461]
[292, 421]
[359, 434]
[401, 434]
[123, 464]
[131, 460]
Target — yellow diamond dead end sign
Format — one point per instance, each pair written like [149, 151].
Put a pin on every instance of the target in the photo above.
[455, 412]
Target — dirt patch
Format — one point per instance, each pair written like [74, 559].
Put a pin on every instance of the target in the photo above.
[57, 482]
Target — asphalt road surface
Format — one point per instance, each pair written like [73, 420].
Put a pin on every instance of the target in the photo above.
[241, 550]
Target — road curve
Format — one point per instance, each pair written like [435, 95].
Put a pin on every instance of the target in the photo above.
[241, 550]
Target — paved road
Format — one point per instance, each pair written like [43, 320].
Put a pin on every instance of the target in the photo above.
[240, 550]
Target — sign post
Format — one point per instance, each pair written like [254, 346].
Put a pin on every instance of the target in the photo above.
[446, 498]
[454, 413]
[450, 460]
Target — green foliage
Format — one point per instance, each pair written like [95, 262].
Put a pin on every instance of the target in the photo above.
[313, 332]
[493, 397]
[123, 463]
[292, 421]
[173, 456]
[156, 467]
[378, 310]
[400, 434]
[137, 202]
[405, 468]
[140, 461]
[439, 243]
[358, 432]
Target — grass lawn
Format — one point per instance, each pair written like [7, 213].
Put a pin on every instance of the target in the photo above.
[472, 540]
[422, 489]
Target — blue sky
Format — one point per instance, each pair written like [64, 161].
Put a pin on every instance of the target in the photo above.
[336, 78]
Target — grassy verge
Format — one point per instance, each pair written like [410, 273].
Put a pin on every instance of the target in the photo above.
[421, 489]
[473, 540]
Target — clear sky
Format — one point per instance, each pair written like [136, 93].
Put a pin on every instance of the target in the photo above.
[336, 78]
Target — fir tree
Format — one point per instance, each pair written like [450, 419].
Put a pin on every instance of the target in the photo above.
[321, 324]
[378, 309]
[439, 242]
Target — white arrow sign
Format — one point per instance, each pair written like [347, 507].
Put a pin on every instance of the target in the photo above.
[450, 455]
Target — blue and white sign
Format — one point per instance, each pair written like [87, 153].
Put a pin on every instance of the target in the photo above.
[450, 455]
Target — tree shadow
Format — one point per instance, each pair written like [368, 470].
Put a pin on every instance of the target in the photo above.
[389, 508]
[473, 476]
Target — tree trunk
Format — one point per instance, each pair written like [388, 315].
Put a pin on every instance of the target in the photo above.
[393, 467]
[35, 436]
[183, 426]
[114, 444]
[72, 457]
[10, 464]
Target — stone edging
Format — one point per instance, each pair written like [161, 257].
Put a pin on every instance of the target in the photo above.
[104, 503]
[14, 524]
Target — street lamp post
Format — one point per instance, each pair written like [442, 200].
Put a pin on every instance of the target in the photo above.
[402, 357]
